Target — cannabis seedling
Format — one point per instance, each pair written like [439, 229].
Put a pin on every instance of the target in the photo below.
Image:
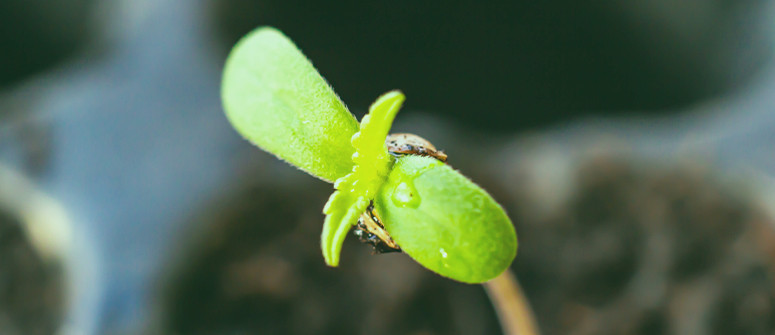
[275, 98]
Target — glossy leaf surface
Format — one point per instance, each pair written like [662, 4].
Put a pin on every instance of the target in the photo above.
[444, 221]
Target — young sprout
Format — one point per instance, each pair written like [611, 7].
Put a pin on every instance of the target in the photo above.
[275, 98]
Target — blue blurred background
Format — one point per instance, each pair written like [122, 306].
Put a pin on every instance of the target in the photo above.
[632, 143]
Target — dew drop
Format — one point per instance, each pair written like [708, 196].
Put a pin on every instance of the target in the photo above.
[405, 195]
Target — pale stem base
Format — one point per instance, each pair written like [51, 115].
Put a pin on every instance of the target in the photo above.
[514, 313]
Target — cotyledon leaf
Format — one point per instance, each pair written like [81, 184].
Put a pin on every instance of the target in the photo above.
[372, 165]
[276, 99]
[444, 221]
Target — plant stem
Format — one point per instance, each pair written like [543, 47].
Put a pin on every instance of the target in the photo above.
[514, 312]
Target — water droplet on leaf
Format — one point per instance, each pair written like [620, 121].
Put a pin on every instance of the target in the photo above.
[405, 195]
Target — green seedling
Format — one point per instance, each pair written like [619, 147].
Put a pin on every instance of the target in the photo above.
[276, 99]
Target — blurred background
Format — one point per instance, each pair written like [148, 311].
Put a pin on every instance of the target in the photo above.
[631, 142]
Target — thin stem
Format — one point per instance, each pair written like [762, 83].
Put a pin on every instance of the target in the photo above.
[514, 312]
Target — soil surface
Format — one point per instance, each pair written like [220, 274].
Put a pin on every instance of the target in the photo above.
[630, 251]
[638, 251]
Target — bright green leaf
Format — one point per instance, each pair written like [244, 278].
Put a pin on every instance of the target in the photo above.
[372, 165]
[342, 211]
[276, 99]
[446, 222]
